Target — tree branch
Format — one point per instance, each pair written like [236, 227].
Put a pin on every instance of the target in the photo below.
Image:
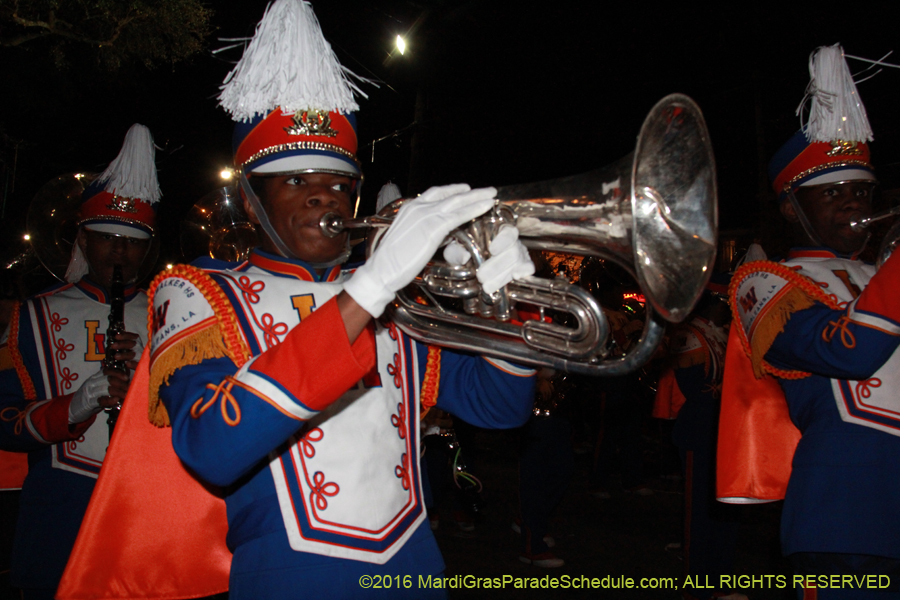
[22, 39]
[54, 26]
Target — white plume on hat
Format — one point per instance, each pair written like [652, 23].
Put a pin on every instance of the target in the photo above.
[387, 194]
[288, 64]
[754, 252]
[836, 111]
[133, 173]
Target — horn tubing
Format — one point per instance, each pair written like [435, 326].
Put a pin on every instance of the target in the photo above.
[653, 212]
[332, 224]
[863, 223]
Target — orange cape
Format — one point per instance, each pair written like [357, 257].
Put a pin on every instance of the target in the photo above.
[756, 436]
[13, 469]
[152, 531]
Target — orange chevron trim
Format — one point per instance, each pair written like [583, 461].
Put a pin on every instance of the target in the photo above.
[807, 288]
[432, 382]
[16, 356]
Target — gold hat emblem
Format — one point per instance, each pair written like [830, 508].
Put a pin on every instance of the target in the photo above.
[311, 122]
[842, 148]
[122, 204]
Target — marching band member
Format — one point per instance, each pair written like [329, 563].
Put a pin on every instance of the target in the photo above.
[54, 382]
[280, 383]
[689, 390]
[825, 326]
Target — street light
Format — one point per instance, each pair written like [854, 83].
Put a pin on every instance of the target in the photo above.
[226, 174]
[401, 44]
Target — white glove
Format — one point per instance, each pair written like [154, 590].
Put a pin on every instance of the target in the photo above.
[412, 239]
[509, 259]
[456, 254]
[86, 401]
[138, 349]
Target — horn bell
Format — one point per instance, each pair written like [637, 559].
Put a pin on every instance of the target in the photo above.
[654, 212]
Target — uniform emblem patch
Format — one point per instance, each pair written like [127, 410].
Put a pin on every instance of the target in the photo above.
[748, 300]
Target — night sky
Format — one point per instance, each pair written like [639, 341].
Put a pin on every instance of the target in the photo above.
[507, 93]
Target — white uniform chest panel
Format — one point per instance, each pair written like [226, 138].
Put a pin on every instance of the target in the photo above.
[74, 327]
[363, 420]
[273, 305]
[353, 471]
[841, 279]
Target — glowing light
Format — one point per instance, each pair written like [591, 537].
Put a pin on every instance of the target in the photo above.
[170, 266]
[227, 174]
[79, 175]
[26, 237]
[401, 45]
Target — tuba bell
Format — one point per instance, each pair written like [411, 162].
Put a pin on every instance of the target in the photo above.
[217, 227]
[653, 212]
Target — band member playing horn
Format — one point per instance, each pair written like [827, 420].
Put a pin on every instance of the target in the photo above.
[824, 326]
[278, 379]
[55, 382]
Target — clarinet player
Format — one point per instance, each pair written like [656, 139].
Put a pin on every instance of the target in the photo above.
[59, 370]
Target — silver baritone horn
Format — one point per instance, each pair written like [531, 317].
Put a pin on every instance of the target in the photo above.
[653, 212]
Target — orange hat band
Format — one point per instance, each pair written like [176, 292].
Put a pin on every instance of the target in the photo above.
[105, 207]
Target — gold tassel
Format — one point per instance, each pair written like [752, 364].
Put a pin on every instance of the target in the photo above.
[204, 344]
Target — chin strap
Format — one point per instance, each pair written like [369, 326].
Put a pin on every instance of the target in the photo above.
[282, 248]
[341, 259]
[264, 218]
[804, 221]
[808, 228]
[863, 245]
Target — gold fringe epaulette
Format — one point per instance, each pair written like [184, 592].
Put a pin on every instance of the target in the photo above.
[804, 294]
[218, 340]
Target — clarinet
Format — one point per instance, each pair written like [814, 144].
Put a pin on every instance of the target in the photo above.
[116, 326]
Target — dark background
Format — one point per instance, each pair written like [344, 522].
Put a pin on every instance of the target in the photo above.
[489, 93]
